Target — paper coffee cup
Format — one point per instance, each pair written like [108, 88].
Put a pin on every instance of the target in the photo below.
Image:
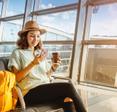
[55, 57]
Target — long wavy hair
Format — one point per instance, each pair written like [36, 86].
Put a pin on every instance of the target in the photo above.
[22, 42]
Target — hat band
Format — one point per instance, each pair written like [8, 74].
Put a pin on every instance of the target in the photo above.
[31, 28]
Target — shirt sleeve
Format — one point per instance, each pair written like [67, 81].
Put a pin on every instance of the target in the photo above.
[15, 60]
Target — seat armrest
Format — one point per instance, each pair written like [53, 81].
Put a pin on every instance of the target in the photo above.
[4, 63]
[21, 98]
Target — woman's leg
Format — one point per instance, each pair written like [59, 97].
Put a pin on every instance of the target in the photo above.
[52, 92]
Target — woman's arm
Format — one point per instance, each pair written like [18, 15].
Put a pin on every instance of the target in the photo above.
[22, 73]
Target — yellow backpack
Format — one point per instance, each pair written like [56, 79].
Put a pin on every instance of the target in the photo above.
[7, 91]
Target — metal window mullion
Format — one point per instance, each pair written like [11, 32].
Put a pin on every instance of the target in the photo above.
[39, 12]
[100, 2]
[10, 18]
[3, 13]
[55, 10]
[58, 42]
[100, 42]
[4, 8]
[35, 8]
[76, 54]
[84, 49]
[7, 42]
[45, 42]
[28, 6]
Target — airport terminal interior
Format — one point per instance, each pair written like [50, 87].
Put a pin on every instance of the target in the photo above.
[83, 32]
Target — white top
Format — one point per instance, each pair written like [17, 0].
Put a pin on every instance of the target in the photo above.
[20, 59]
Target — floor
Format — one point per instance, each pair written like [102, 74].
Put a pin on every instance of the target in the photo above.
[103, 104]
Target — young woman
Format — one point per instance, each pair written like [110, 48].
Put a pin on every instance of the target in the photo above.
[33, 71]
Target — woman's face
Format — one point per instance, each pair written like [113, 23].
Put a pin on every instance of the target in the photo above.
[33, 38]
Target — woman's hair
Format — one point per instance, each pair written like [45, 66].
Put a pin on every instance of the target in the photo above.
[22, 43]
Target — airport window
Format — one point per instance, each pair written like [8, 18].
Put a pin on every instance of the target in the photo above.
[101, 62]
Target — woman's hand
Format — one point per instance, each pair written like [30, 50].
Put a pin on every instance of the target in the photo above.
[54, 67]
[39, 58]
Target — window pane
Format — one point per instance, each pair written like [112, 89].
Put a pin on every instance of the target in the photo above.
[101, 66]
[15, 7]
[6, 49]
[60, 26]
[10, 30]
[44, 4]
[104, 22]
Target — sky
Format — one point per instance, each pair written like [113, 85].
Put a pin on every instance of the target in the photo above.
[15, 7]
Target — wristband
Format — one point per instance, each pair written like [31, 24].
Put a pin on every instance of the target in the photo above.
[32, 63]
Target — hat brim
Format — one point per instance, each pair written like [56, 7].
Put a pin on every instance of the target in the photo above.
[42, 31]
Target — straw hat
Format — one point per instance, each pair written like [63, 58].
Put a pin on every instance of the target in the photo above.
[30, 26]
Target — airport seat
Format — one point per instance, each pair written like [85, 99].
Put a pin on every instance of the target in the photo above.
[4, 63]
[44, 102]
